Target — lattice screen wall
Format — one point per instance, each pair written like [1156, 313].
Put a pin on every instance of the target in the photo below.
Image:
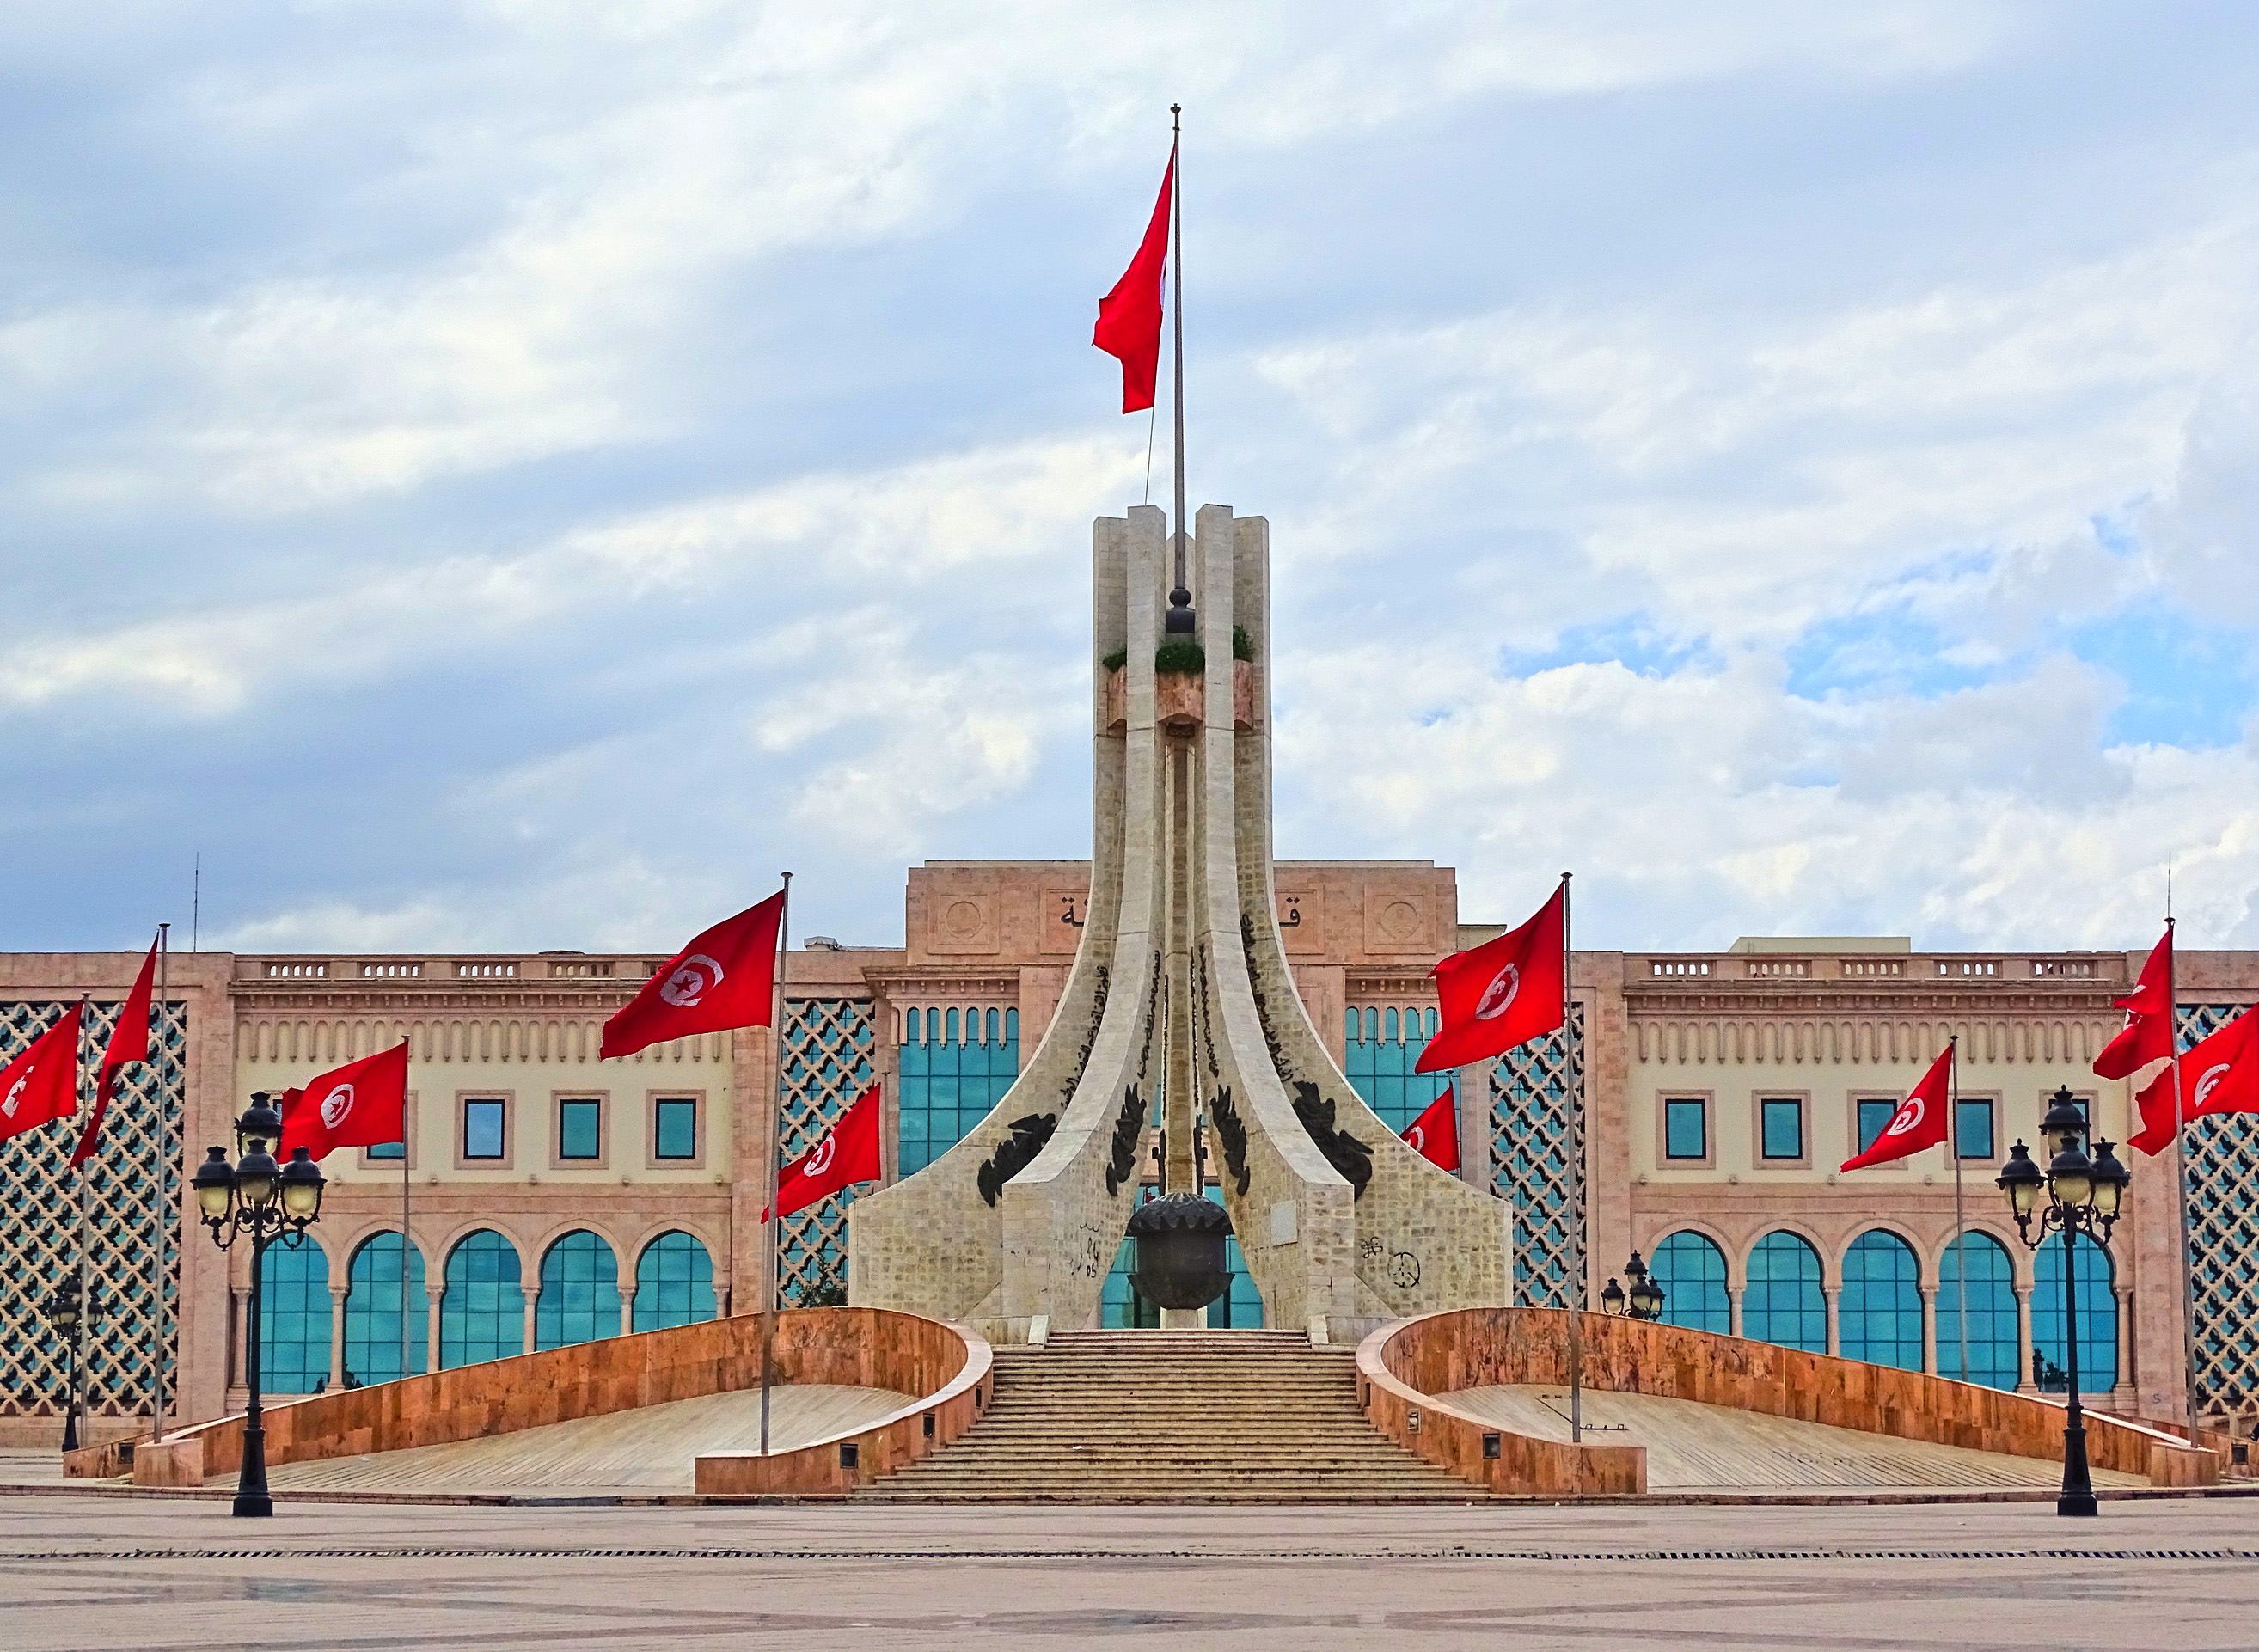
[2224, 1240]
[134, 1221]
[1536, 1100]
[828, 1045]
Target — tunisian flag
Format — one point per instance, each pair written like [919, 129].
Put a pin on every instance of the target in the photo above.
[1130, 317]
[1921, 1120]
[129, 1042]
[724, 979]
[2148, 1035]
[1501, 993]
[2221, 1074]
[42, 1083]
[1435, 1133]
[362, 1103]
[843, 1154]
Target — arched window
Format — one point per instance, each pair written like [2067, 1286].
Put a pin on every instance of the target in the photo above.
[294, 1320]
[1992, 1333]
[580, 1299]
[1692, 1272]
[1783, 1303]
[1878, 1316]
[953, 1071]
[2097, 1319]
[373, 1312]
[675, 1283]
[482, 1304]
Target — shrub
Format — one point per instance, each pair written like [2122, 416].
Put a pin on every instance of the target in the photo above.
[1180, 658]
[1242, 645]
[1116, 660]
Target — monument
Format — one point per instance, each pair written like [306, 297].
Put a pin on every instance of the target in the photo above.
[1180, 1009]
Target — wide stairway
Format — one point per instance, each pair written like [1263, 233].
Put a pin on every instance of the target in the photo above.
[1174, 1416]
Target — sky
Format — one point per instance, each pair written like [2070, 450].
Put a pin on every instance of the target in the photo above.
[504, 476]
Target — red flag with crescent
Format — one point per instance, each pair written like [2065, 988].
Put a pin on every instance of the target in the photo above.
[843, 1154]
[42, 1083]
[2148, 1034]
[362, 1103]
[1922, 1120]
[1435, 1135]
[1501, 993]
[129, 1044]
[2219, 1073]
[1130, 317]
[724, 980]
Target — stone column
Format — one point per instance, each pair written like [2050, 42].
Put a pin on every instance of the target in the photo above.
[532, 1297]
[431, 1301]
[1472, 1089]
[2123, 1396]
[1831, 1291]
[627, 1310]
[1929, 1329]
[337, 1294]
[1733, 1308]
[2024, 1383]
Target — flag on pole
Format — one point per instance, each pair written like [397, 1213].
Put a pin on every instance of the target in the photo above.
[362, 1103]
[1922, 1120]
[129, 1042]
[1435, 1135]
[1130, 317]
[2221, 1074]
[724, 980]
[42, 1083]
[2148, 1034]
[843, 1154]
[1501, 993]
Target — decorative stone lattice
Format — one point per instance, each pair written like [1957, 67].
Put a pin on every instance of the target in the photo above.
[828, 1043]
[2224, 1240]
[134, 1217]
[1536, 1105]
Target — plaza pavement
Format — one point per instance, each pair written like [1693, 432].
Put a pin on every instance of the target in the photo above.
[139, 1574]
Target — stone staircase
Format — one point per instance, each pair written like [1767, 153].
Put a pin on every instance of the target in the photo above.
[1174, 1416]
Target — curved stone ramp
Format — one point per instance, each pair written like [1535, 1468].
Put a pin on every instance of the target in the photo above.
[1693, 1446]
[649, 1449]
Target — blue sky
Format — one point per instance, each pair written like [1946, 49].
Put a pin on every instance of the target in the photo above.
[490, 476]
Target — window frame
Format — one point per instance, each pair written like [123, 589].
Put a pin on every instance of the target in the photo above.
[602, 1101]
[508, 1158]
[1872, 1097]
[1989, 1101]
[1801, 1101]
[408, 1137]
[700, 1136]
[1664, 1159]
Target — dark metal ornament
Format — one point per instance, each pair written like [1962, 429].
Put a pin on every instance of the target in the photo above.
[1179, 1261]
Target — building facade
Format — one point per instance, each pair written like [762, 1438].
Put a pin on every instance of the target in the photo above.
[553, 1197]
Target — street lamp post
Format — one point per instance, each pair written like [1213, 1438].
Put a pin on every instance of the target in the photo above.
[268, 1203]
[1643, 1301]
[64, 1310]
[2083, 1198]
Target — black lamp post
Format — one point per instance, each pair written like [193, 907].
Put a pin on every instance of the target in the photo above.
[65, 1312]
[1643, 1301]
[2083, 1197]
[269, 1202]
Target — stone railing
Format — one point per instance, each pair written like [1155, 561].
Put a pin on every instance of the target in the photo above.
[869, 1347]
[1408, 1371]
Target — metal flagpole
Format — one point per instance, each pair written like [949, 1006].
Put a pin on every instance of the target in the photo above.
[1960, 1225]
[77, 1401]
[1576, 1192]
[2180, 1166]
[407, 1262]
[1181, 596]
[775, 1142]
[164, 1174]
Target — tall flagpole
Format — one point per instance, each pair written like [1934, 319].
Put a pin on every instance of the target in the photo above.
[1960, 1224]
[773, 1144]
[1178, 621]
[2181, 1164]
[1576, 1191]
[162, 1090]
[406, 1265]
[85, 1301]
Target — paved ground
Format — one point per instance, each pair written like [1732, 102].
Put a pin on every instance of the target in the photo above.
[140, 1574]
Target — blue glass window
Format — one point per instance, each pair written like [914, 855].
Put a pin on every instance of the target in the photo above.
[482, 1303]
[955, 1069]
[1783, 1303]
[580, 1129]
[373, 1312]
[1975, 1128]
[1782, 1125]
[294, 1320]
[580, 1299]
[482, 1128]
[394, 1150]
[2097, 1319]
[675, 1283]
[1692, 1272]
[1992, 1333]
[1379, 1048]
[1879, 1315]
[675, 1128]
[1874, 1118]
[1685, 1129]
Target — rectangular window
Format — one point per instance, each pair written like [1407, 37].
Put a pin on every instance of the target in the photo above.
[1874, 1118]
[1782, 1127]
[1686, 1129]
[675, 1128]
[482, 1128]
[395, 1151]
[580, 1129]
[1976, 1125]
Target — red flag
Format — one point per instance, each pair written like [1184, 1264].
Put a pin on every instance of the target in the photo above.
[1922, 1120]
[724, 979]
[843, 1154]
[2148, 1035]
[1130, 317]
[2221, 1074]
[42, 1083]
[1435, 1133]
[362, 1103]
[1501, 993]
[129, 1042]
